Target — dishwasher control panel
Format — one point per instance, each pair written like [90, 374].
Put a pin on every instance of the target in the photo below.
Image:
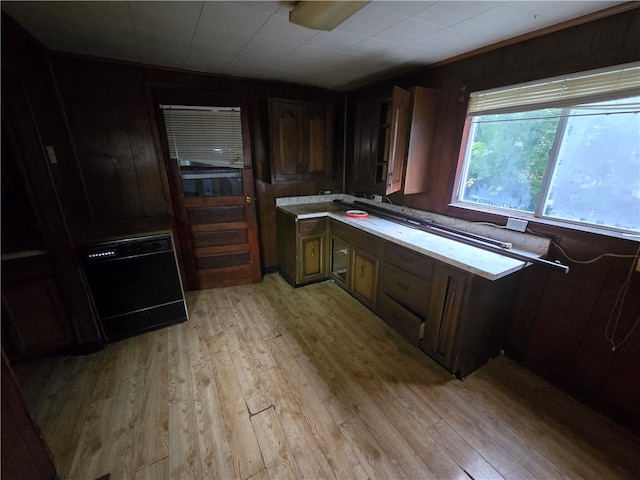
[129, 248]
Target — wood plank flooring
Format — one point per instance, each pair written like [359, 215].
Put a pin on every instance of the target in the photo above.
[269, 382]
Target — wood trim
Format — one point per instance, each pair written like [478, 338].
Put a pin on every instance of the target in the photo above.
[222, 200]
[217, 227]
[590, 17]
[225, 277]
[204, 251]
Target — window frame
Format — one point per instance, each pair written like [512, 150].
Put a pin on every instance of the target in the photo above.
[537, 216]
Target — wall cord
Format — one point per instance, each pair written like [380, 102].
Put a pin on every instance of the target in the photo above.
[621, 297]
[610, 336]
[566, 255]
[593, 260]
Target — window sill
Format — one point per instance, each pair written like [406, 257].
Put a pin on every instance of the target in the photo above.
[500, 217]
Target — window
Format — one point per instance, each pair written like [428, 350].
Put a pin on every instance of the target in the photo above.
[207, 144]
[564, 149]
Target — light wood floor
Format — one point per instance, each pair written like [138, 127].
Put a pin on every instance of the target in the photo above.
[265, 381]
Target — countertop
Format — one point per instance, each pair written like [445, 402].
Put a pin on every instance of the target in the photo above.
[489, 265]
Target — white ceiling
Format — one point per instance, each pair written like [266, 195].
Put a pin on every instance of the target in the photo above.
[255, 39]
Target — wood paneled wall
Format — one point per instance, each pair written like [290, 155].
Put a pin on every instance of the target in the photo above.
[34, 118]
[559, 331]
[107, 112]
[111, 114]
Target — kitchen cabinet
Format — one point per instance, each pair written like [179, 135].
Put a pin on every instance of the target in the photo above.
[301, 134]
[339, 260]
[457, 318]
[35, 320]
[468, 318]
[380, 142]
[364, 276]
[302, 249]
[442, 321]
[393, 141]
[355, 261]
[368, 169]
[405, 288]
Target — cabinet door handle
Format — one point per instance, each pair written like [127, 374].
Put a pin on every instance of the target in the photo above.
[453, 297]
[313, 251]
[362, 271]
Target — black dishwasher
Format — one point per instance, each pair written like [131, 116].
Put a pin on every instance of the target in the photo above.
[134, 284]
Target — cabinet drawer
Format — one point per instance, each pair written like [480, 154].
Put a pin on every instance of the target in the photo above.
[406, 288]
[356, 237]
[311, 226]
[399, 318]
[413, 262]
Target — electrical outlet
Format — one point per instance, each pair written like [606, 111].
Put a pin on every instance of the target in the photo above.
[517, 224]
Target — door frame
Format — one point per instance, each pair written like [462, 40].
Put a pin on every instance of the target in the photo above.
[185, 247]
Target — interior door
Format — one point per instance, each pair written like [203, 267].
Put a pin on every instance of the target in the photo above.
[215, 216]
[224, 236]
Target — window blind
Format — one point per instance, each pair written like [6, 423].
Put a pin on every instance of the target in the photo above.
[207, 136]
[586, 87]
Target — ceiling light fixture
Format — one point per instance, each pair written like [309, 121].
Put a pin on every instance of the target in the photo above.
[321, 15]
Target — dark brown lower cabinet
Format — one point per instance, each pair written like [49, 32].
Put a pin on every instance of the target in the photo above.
[35, 320]
[302, 249]
[405, 284]
[364, 276]
[444, 311]
[457, 318]
[468, 318]
[312, 262]
[355, 261]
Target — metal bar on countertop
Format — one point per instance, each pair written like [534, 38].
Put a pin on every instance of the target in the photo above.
[431, 224]
[435, 229]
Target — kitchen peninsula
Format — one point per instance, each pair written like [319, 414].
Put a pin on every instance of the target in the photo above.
[450, 299]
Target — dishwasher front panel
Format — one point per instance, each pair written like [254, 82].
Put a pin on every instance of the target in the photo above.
[135, 285]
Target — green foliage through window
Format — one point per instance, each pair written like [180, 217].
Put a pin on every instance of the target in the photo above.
[509, 157]
[579, 164]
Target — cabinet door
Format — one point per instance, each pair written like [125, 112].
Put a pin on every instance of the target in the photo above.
[286, 236]
[301, 139]
[312, 259]
[442, 323]
[287, 139]
[398, 133]
[366, 144]
[317, 161]
[339, 261]
[364, 276]
[424, 104]
[35, 317]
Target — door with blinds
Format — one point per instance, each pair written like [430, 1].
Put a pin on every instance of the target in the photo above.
[211, 182]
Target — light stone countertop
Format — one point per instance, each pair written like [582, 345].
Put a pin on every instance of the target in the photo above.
[483, 263]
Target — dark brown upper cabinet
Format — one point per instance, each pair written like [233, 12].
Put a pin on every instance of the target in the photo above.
[393, 139]
[301, 135]
[380, 142]
[396, 131]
